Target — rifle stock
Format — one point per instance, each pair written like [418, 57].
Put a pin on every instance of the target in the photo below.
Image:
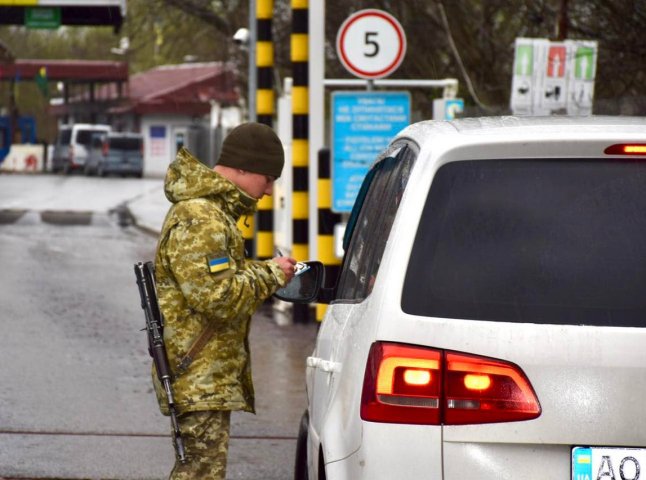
[156, 347]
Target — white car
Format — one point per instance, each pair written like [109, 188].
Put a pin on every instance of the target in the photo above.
[489, 318]
[72, 145]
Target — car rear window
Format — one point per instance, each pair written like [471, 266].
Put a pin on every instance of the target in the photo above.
[540, 241]
[125, 143]
[84, 137]
[65, 137]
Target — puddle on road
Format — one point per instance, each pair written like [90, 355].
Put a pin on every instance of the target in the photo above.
[124, 217]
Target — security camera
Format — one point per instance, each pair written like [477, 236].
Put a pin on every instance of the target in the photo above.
[241, 37]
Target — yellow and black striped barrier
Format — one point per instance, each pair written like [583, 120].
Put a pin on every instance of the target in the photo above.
[264, 62]
[299, 54]
[300, 129]
[265, 114]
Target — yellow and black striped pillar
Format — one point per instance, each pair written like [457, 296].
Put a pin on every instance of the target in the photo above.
[326, 223]
[264, 62]
[265, 114]
[300, 140]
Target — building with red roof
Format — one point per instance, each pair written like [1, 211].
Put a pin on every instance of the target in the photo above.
[190, 104]
[188, 89]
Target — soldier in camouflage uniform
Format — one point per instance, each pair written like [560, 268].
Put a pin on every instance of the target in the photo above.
[205, 283]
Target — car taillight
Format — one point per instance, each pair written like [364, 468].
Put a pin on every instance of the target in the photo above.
[626, 149]
[485, 390]
[402, 384]
[104, 149]
[410, 384]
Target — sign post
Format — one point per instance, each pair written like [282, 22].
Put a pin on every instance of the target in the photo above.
[362, 126]
[447, 108]
[553, 77]
[43, 17]
[582, 79]
[371, 44]
[522, 88]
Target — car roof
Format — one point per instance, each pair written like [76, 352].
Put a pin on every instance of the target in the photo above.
[124, 135]
[90, 126]
[522, 127]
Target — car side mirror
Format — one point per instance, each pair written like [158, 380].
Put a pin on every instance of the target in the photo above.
[305, 286]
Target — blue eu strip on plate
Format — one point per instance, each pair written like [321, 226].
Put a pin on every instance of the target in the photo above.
[582, 463]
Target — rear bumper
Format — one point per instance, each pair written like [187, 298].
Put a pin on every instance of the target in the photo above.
[417, 451]
[390, 451]
[119, 167]
[489, 461]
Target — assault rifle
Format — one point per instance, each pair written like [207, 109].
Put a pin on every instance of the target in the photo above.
[156, 348]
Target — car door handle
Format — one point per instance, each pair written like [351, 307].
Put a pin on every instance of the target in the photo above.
[324, 365]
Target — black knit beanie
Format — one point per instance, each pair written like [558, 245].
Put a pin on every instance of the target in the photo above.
[253, 147]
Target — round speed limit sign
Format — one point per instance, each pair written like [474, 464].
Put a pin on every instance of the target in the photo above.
[371, 44]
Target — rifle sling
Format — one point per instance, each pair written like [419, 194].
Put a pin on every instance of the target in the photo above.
[196, 347]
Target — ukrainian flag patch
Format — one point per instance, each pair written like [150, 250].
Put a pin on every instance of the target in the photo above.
[218, 264]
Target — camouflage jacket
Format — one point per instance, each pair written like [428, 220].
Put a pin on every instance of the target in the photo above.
[203, 277]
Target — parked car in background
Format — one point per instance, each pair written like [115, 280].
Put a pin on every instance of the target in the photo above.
[489, 319]
[61, 148]
[116, 153]
[72, 144]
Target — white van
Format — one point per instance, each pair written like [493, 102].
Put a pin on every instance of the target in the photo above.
[489, 319]
[72, 145]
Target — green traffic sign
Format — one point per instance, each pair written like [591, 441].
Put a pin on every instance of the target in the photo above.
[584, 67]
[524, 59]
[43, 17]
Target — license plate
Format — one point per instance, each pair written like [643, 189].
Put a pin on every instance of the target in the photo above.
[607, 463]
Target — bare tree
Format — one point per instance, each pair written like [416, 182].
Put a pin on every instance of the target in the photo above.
[221, 15]
[471, 40]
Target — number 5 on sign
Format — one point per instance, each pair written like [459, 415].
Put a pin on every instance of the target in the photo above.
[371, 39]
[371, 44]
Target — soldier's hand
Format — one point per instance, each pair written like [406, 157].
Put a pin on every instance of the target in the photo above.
[286, 264]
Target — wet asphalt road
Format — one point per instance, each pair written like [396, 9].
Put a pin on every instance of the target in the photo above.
[75, 391]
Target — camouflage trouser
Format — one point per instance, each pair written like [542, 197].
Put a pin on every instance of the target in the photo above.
[206, 440]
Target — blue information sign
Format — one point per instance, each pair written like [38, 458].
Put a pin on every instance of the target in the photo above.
[363, 123]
